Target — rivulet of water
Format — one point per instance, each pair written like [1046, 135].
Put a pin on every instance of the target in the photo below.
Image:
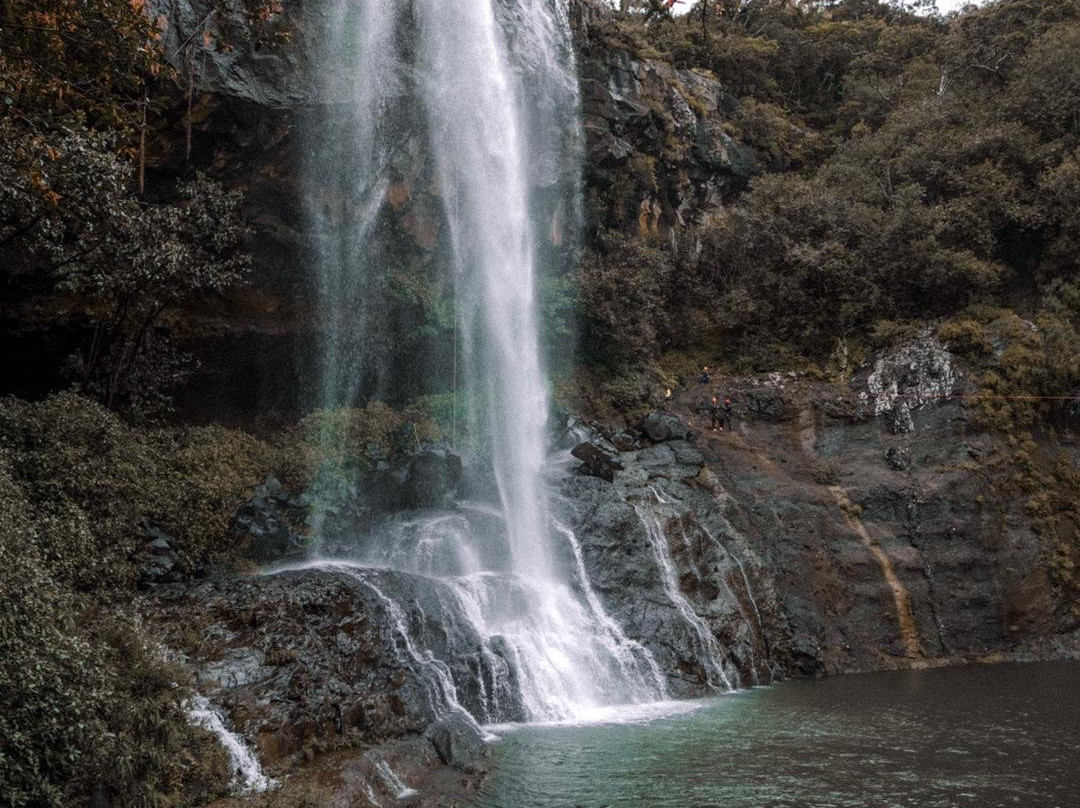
[247, 774]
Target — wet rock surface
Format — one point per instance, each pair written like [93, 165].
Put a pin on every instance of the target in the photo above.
[597, 461]
[457, 741]
[307, 661]
[269, 525]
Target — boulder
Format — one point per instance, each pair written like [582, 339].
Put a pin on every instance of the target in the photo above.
[662, 426]
[265, 523]
[597, 461]
[432, 480]
[457, 741]
[161, 562]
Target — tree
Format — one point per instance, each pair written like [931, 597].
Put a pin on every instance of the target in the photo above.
[71, 223]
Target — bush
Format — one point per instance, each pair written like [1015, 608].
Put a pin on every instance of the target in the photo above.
[89, 713]
[96, 483]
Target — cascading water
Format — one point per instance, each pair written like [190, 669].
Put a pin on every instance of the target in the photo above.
[248, 777]
[488, 87]
[710, 655]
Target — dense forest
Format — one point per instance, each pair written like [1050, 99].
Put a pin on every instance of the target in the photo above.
[914, 171]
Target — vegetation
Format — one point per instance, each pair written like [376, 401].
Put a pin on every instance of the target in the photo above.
[79, 84]
[915, 168]
[90, 711]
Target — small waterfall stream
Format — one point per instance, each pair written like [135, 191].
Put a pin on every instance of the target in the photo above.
[248, 776]
[710, 656]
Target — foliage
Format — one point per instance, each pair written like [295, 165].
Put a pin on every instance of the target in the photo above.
[918, 168]
[76, 82]
[85, 60]
[95, 483]
[365, 435]
[89, 713]
[70, 224]
[639, 298]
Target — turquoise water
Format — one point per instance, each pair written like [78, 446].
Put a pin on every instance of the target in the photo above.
[973, 737]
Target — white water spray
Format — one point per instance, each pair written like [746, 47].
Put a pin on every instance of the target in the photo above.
[489, 86]
[710, 653]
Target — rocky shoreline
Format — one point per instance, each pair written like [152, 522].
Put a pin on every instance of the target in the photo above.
[824, 534]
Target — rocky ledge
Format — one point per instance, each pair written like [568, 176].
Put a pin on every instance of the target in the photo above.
[873, 522]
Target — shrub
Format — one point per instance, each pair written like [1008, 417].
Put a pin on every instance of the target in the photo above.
[95, 483]
[89, 713]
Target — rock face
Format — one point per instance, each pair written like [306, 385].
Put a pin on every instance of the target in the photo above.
[886, 546]
[672, 572]
[597, 460]
[661, 426]
[266, 523]
[817, 536]
[813, 538]
[316, 658]
[654, 131]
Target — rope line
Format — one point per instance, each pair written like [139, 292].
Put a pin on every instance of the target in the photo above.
[987, 395]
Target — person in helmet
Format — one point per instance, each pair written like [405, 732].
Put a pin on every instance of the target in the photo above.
[715, 413]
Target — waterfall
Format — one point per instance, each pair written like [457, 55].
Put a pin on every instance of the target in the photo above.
[248, 777]
[473, 104]
[392, 782]
[347, 177]
[710, 655]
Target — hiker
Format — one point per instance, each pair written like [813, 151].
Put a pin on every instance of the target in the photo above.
[727, 414]
[715, 413]
[703, 377]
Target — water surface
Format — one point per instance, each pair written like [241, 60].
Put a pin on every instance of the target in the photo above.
[980, 736]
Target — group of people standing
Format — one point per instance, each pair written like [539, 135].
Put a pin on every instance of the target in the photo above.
[719, 412]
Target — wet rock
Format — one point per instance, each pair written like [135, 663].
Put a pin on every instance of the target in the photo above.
[433, 479]
[597, 461]
[162, 563]
[270, 649]
[266, 525]
[765, 404]
[267, 79]
[662, 426]
[160, 543]
[240, 667]
[686, 454]
[457, 740]
[898, 459]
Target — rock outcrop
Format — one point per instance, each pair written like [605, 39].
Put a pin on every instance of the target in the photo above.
[655, 135]
[310, 660]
